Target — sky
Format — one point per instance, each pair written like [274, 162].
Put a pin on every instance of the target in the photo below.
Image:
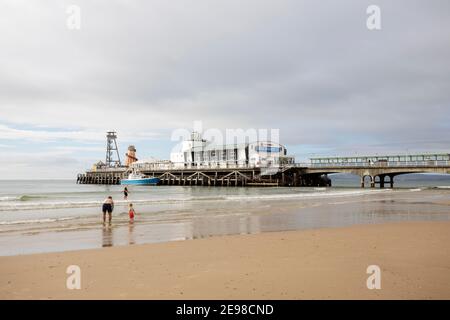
[311, 69]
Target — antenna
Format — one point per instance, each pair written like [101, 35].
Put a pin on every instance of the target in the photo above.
[111, 148]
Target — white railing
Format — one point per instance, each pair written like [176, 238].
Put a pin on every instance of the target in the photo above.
[231, 166]
[426, 163]
[151, 167]
[280, 167]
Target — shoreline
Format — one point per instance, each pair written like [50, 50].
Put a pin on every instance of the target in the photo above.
[327, 263]
[202, 219]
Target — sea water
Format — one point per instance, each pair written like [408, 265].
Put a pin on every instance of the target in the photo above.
[55, 215]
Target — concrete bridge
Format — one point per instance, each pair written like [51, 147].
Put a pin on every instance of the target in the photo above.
[380, 169]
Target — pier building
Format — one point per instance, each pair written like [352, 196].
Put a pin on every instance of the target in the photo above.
[198, 152]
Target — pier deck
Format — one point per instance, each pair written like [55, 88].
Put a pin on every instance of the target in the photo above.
[105, 176]
[311, 174]
[231, 176]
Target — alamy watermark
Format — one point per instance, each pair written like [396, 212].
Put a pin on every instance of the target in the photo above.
[215, 136]
[73, 21]
[215, 147]
[374, 280]
[74, 279]
[373, 21]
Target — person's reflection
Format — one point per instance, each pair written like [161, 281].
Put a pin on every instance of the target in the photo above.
[131, 233]
[107, 236]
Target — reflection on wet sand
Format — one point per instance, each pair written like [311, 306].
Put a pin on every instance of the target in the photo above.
[218, 226]
[107, 236]
[131, 233]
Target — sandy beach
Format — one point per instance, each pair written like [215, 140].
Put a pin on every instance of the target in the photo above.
[330, 263]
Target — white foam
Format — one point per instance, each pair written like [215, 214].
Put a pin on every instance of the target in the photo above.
[34, 221]
[9, 198]
[78, 204]
[308, 195]
[31, 205]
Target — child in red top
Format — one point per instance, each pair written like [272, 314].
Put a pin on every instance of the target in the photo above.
[131, 212]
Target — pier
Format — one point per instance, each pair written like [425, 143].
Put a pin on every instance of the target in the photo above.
[256, 164]
[380, 172]
[222, 177]
[106, 176]
[236, 176]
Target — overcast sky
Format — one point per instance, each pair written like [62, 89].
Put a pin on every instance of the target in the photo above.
[311, 69]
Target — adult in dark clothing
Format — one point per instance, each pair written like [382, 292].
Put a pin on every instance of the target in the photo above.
[108, 206]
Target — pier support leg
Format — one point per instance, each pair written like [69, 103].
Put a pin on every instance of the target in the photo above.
[392, 181]
[382, 181]
[372, 181]
[362, 182]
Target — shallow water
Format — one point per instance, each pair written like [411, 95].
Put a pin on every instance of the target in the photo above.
[45, 216]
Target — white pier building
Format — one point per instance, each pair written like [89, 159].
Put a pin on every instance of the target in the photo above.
[198, 152]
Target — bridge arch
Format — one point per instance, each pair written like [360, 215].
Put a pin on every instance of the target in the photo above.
[380, 173]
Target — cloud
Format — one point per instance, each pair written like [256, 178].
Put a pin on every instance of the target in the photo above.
[85, 136]
[308, 68]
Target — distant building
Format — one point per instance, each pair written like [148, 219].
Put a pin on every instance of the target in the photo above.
[98, 166]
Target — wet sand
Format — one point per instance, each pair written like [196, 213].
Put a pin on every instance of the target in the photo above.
[414, 258]
[219, 217]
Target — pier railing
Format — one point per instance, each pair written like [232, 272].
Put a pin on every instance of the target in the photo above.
[296, 174]
[426, 163]
[281, 167]
[152, 167]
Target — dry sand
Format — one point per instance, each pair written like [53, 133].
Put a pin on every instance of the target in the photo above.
[414, 258]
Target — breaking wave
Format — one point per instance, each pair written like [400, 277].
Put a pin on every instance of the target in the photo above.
[24, 197]
[44, 220]
[34, 205]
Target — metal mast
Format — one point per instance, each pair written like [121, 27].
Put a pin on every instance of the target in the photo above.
[111, 148]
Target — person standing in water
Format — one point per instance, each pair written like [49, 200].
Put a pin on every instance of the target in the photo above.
[125, 193]
[108, 206]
